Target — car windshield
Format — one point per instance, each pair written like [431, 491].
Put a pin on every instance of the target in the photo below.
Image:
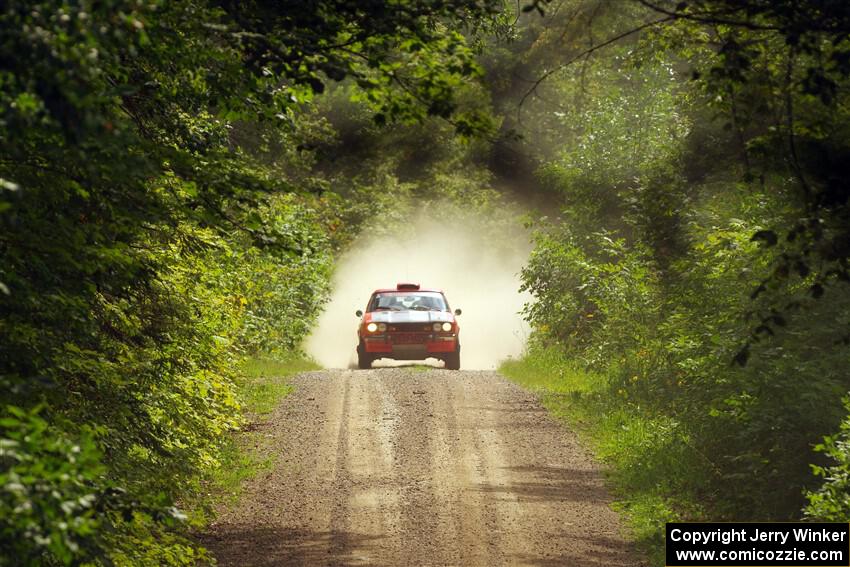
[406, 300]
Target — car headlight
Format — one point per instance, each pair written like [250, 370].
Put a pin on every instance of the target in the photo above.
[371, 327]
[437, 327]
[447, 327]
[382, 327]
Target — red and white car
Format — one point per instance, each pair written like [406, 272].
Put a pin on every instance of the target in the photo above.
[408, 323]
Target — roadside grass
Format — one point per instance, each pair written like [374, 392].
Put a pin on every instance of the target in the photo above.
[650, 467]
[262, 383]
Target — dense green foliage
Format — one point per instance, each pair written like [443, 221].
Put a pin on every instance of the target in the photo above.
[159, 219]
[699, 260]
[832, 501]
[176, 178]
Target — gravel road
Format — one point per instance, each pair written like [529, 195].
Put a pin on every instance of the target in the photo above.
[404, 466]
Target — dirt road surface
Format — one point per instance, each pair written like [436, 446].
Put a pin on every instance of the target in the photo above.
[404, 466]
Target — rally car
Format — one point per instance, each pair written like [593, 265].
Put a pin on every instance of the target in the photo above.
[408, 323]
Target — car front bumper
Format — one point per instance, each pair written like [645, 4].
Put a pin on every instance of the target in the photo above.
[406, 348]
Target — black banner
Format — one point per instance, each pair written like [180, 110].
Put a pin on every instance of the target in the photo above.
[758, 544]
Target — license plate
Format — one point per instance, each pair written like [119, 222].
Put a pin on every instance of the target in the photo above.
[407, 338]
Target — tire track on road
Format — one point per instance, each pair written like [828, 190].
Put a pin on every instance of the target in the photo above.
[400, 466]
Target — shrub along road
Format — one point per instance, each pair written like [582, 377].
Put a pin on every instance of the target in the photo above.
[403, 466]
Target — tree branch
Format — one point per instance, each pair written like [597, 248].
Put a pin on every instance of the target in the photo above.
[708, 18]
[589, 51]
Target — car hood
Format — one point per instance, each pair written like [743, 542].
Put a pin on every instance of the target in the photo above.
[409, 317]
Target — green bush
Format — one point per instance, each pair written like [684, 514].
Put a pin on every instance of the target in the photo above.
[666, 340]
[831, 502]
[51, 490]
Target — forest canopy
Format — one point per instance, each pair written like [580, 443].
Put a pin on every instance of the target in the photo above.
[177, 178]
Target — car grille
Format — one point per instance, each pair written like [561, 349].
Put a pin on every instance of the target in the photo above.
[409, 327]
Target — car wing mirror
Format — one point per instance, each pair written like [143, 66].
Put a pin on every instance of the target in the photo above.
[458, 311]
[358, 313]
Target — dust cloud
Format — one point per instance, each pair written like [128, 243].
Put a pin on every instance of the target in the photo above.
[477, 268]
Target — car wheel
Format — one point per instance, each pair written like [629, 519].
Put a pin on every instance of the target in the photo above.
[453, 360]
[364, 360]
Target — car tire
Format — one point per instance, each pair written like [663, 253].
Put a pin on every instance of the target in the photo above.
[453, 360]
[364, 360]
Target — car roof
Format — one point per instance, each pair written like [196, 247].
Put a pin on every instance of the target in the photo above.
[393, 290]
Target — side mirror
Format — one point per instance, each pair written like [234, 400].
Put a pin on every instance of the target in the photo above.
[458, 311]
[358, 313]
